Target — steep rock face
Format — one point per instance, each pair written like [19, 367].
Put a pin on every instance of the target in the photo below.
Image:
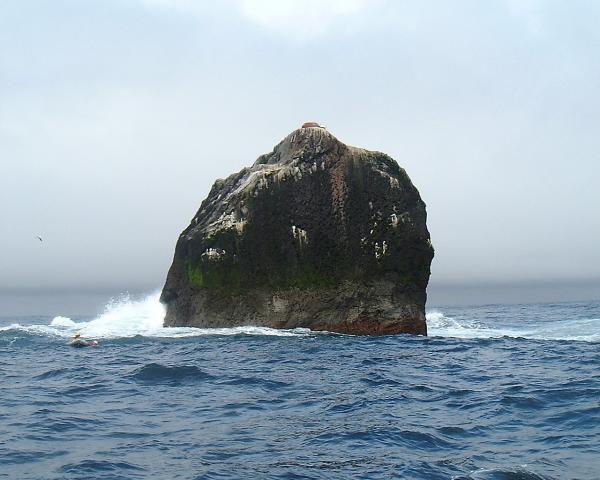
[316, 234]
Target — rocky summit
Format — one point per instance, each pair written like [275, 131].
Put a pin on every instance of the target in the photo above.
[316, 234]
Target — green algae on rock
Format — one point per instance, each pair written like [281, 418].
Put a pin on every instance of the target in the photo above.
[316, 234]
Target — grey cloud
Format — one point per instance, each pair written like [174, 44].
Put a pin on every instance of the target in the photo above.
[116, 118]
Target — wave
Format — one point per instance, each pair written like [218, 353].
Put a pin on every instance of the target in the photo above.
[440, 325]
[158, 373]
[519, 473]
[125, 318]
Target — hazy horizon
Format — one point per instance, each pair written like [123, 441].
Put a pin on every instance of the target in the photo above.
[117, 116]
[92, 301]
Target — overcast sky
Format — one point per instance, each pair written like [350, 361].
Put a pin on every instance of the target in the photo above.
[116, 116]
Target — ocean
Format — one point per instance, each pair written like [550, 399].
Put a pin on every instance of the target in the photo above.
[496, 392]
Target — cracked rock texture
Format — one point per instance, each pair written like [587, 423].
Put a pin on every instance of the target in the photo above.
[316, 234]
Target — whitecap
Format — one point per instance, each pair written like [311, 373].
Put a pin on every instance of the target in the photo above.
[62, 322]
[440, 325]
[125, 317]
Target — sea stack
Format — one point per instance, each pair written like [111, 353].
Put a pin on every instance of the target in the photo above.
[316, 234]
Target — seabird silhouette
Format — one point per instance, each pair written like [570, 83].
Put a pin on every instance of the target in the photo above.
[39, 238]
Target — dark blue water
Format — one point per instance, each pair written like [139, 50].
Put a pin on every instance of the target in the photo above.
[247, 403]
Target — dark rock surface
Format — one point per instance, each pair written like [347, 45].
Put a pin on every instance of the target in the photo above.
[316, 234]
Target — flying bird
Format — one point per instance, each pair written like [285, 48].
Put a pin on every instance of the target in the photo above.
[39, 238]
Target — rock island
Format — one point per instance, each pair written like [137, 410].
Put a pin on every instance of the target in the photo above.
[315, 234]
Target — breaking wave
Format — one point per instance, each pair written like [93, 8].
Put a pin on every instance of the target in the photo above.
[467, 326]
[125, 317]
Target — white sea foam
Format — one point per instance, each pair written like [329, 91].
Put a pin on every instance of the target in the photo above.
[440, 325]
[62, 322]
[125, 317]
